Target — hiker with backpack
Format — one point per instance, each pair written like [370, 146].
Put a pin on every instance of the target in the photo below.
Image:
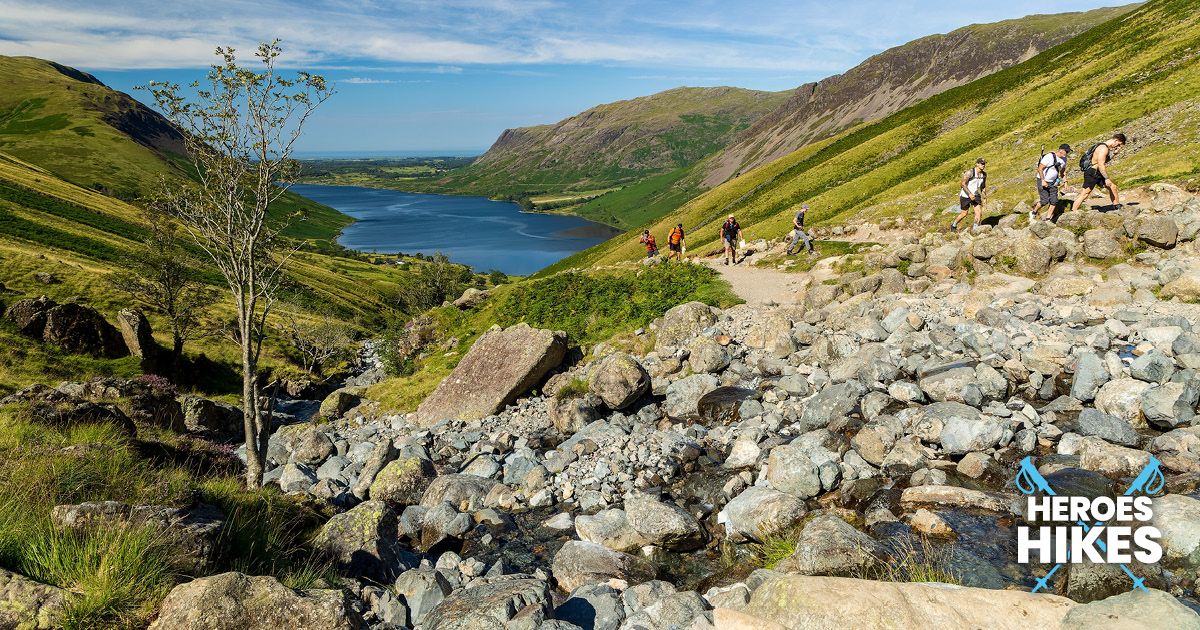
[731, 234]
[971, 194]
[798, 233]
[675, 243]
[1094, 165]
[1050, 171]
[651, 246]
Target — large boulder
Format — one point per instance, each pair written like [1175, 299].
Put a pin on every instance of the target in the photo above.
[29, 316]
[363, 543]
[1032, 257]
[1159, 231]
[610, 528]
[758, 511]
[403, 481]
[234, 601]
[619, 380]
[792, 471]
[1099, 243]
[511, 603]
[462, 491]
[663, 524]
[502, 365]
[830, 546]
[29, 605]
[421, 590]
[682, 323]
[193, 532]
[1122, 398]
[139, 338]
[1177, 518]
[793, 601]
[81, 329]
[684, 394]
[216, 418]
[832, 402]
[578, 563]
[55, 408]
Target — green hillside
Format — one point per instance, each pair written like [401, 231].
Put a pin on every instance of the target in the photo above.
[1137, 73]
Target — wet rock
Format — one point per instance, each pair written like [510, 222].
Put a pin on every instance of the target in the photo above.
[830, 546]
[403, 481]
[363, 542]
[1087, 582]
[1093, 422]
[663, 524]
[955, 497]
[619, 380]
[759, 511]
[578, 563]
[29, 605]
[502, 365]
[1111, 460]
[234, 600]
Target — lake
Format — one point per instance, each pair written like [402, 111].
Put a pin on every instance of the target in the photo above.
[475, 231]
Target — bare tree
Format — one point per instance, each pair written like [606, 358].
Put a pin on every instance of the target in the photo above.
[163, 277]
[240, 128]
[318, 342]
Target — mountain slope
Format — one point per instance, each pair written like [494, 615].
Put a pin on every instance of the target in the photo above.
[895, 79]
[1139, 73]
[615, 143]
[66, 121]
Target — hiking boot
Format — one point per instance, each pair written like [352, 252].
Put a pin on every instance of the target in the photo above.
[1032, 216]
[953, 227]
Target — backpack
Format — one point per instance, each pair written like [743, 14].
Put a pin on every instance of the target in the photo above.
[982, 179]
[1060, 170]
[1085, 161]
[676, 236]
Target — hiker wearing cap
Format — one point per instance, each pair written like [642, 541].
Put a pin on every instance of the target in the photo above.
[1094, 165]
[1050, 171]
[651, 246]
[675, 243]
[971, 194]
[798, 233]
[731, 234]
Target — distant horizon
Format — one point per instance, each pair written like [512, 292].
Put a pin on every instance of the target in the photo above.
[380, 154]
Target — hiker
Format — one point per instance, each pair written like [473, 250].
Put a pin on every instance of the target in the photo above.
[731, 234]
[675, 243]
[1094, 165]
[1050, 171]
[798, 233]
[971, 193]
[651, 246]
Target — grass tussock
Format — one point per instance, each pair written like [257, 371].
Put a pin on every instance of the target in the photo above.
[916, 560]
[118, 575]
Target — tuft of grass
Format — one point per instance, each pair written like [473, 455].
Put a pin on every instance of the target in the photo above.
[576, 388]
[916, 561]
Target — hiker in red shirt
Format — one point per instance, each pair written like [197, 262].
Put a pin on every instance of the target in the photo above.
[651, 246]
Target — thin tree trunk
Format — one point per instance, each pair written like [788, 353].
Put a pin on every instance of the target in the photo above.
[255, 460]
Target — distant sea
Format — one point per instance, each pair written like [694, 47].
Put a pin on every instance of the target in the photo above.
[475, 231]
[379, 155]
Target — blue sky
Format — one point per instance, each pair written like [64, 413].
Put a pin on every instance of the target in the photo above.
[450, 75]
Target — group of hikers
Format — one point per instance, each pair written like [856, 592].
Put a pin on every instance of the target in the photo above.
[972, 196]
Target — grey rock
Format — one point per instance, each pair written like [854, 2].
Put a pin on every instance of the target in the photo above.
[619, 380]
[234, 600]
[578, 563]
[683, 323]
[504, 604]
[296, 478]
[363, 542]
[1110, 428]
[421, 590]
[791, 470]
[594, 607]
[830, 546]
[682, 395]
[832, 402]
[663, 524]
[31, 605]
[1171, 405]
[758, 511]
[1090, 375]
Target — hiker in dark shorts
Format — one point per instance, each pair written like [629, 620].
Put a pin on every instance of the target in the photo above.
[1094, 164]
[1050, 171]
[731, 233]
[651, 246]
[972, 191]
[675, 243]
[798, 233]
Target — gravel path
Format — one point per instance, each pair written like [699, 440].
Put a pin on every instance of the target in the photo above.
[757, 285]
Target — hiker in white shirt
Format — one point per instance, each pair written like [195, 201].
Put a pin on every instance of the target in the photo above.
[1050, 175]
[972, 194]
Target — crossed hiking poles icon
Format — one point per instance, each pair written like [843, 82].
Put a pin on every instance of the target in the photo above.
[1150, 481]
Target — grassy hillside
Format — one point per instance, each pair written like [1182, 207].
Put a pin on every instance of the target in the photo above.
[895, 79]
[1137, 73]
[69, 123]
